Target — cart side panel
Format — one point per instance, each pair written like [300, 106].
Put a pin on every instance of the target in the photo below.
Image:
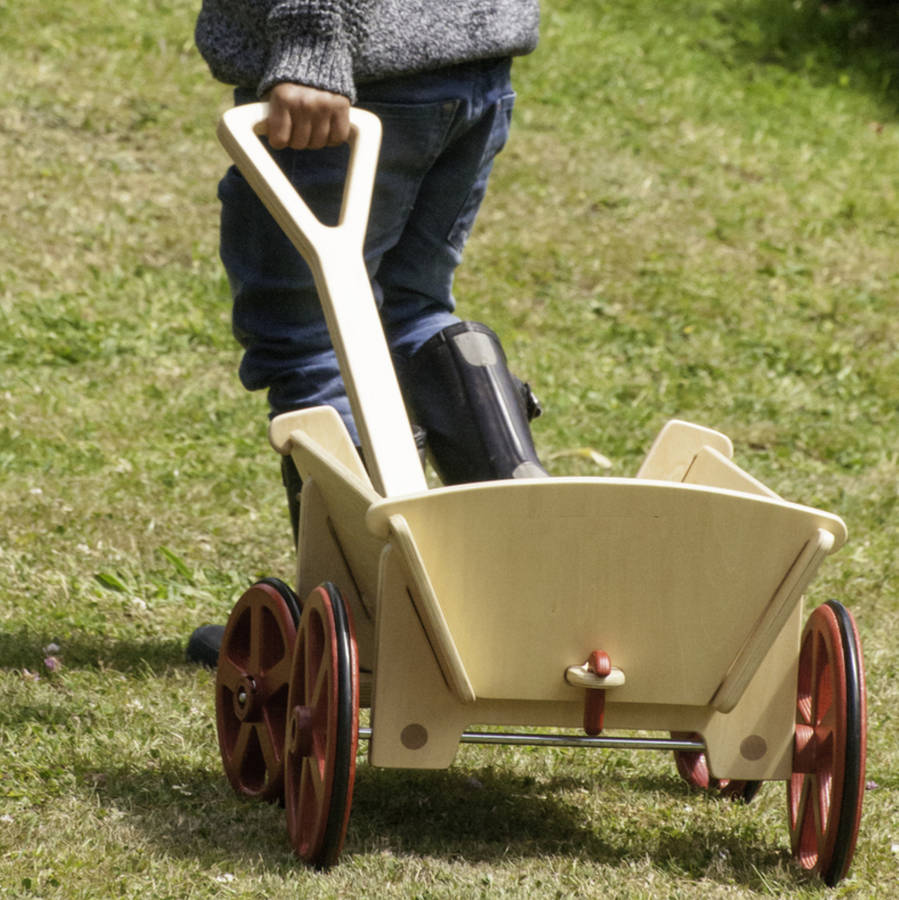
[674, 449]
[334, 543]
[712, 468]
[417, 721]
[668, 579]
[347, 498]
[755, 740]
[323, 426]
[320, 558]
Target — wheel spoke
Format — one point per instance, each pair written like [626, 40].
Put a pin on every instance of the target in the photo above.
[279, 674]
[257, 614]
[239, 749]
[824, 693]
[318, 665]
[316, 768]
[818, 800]
[309, 801]
[804, 710]
[312, 660]
[794, 804]
[229, 674]
[271, 755]
[824, 749]
[828, 721]
[807, 825]
[813, 675]
[804, 692]
[320, 694]
[801, 795]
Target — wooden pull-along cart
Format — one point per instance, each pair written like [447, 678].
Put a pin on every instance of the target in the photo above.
[670, 602]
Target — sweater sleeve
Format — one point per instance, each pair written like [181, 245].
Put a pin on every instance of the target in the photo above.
[313, 42]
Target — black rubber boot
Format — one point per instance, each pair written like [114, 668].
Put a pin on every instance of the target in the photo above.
[293, 485]
[204, 645]
[474, 411]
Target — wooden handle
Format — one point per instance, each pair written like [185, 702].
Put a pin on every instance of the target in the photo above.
[335, 256]
[239, 130]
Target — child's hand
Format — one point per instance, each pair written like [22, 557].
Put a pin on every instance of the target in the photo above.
[304, 118]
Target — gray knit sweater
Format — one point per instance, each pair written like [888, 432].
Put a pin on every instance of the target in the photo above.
[336, 44]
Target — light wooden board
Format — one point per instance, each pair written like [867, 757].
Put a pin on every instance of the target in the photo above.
[322, 426]
[417, 720]
[334, 255]
[347, 495]
[675, 447]
[321, 558]
[668, 579]
[334, 544]
[712, 468]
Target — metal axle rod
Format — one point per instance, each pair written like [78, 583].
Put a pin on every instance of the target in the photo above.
[569, 740]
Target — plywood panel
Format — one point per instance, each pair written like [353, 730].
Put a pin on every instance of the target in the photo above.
[668, 579]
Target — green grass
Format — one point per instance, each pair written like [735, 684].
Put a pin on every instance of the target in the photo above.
[697, 216]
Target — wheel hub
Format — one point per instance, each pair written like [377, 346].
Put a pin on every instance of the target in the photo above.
[247, 705]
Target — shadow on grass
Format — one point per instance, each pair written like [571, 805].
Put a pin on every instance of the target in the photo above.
[190, 812]
[848, 42]
[25, 649]
[498, 815]
[453, 815]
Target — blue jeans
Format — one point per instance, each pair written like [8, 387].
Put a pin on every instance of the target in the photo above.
[442, 131]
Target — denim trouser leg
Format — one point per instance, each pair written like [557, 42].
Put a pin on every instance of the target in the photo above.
[441, 133]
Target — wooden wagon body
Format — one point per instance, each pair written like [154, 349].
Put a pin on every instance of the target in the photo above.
[666, 604]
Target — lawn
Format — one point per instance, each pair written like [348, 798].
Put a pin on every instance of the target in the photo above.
[696, 217]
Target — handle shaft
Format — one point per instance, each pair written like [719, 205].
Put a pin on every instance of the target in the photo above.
[335, 256]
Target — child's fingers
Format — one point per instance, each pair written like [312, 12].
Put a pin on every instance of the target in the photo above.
[303, 118]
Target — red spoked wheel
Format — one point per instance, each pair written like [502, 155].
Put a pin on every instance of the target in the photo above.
[251, 687]
[825, 792]
[693, 767]
[323, 729]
